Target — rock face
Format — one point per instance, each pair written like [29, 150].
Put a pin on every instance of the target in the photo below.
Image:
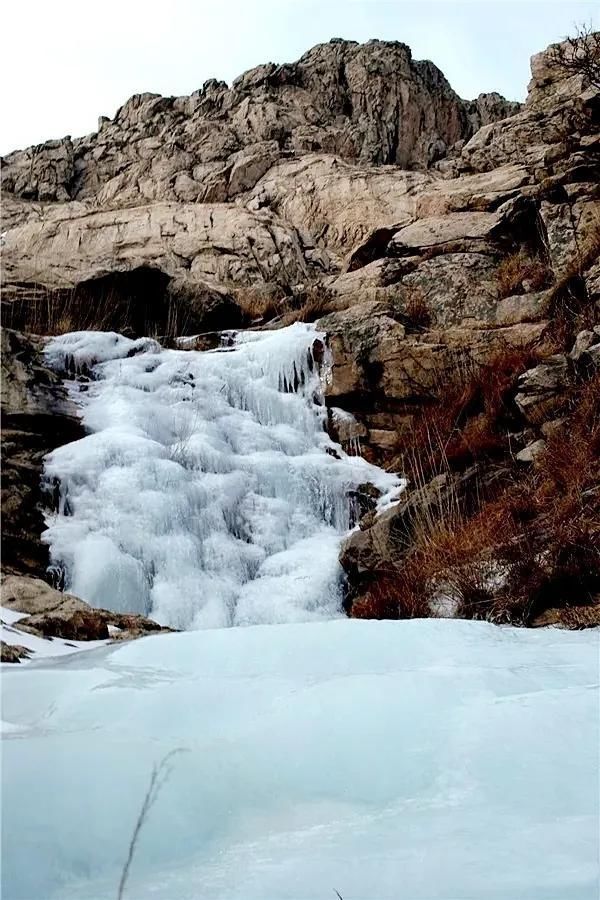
[369, 102]
[297, 176]
[268, 183]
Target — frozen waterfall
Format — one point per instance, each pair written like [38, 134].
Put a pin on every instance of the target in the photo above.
[207, 492]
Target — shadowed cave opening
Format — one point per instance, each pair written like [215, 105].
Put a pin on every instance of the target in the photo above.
[135, 303]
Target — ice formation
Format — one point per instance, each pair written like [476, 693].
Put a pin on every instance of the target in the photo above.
[420, 760]
[208, 492]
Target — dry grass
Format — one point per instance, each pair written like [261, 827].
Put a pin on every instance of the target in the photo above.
[133, 302]
[314, 304]
[48, 311]
[417, 309]
[520, 273]
[258, 305]
[506, 553]
[470, 420]
[261, 307]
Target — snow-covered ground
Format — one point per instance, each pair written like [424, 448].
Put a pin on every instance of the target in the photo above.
[419, 760]
[10, 633]
[209, 493]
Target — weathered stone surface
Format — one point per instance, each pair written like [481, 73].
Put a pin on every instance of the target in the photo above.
[51, 613]
[530, 453]
[459, 226]
[540, 390]
[371, 351]
[195, 243]
[523, 308]
[43, 172]
[37, 416]
[569, 228]
[584, 340]
[371, 102]
[250, 164]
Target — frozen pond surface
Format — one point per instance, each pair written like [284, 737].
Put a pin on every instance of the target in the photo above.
[421, 760]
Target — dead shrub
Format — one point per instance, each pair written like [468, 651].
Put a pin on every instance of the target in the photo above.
[470, 420]
[416, 309]
[579, 55]
[258, 305]
[314, 303]
[520, 273]
[261, 307]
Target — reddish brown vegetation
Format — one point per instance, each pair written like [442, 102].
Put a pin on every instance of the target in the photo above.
[469, 421]
[530, 541]
[520, 272]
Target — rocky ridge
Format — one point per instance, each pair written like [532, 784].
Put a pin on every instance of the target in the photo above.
[267, 184]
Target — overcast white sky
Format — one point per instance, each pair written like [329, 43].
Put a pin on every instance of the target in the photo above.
[66, 62]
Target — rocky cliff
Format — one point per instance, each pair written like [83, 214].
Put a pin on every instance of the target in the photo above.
[449, 250]
[269, 183]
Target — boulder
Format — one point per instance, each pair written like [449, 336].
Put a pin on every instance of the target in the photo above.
[250, 164]
[382, 540]
[531, 452]
[467, 227]
[13, 653]
[53, 614]
[519, 308]
[584, 341]
[540, 390]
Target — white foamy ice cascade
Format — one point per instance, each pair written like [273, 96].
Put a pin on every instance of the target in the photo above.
[208, 492]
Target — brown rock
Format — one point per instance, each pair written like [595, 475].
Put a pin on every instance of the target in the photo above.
[50, 613]
[13, 653]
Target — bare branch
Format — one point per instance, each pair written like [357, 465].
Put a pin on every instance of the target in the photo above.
[579, 55]
[160, 774]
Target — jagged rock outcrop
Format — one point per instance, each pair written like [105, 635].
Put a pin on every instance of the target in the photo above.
[223, 190]
[370, 102]
[36, 416]
[268, 183]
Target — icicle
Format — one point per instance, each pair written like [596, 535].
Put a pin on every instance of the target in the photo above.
[208, 492]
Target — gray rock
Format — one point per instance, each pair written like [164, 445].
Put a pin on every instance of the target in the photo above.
[583, 342]
[531, 452]
[540, 390]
